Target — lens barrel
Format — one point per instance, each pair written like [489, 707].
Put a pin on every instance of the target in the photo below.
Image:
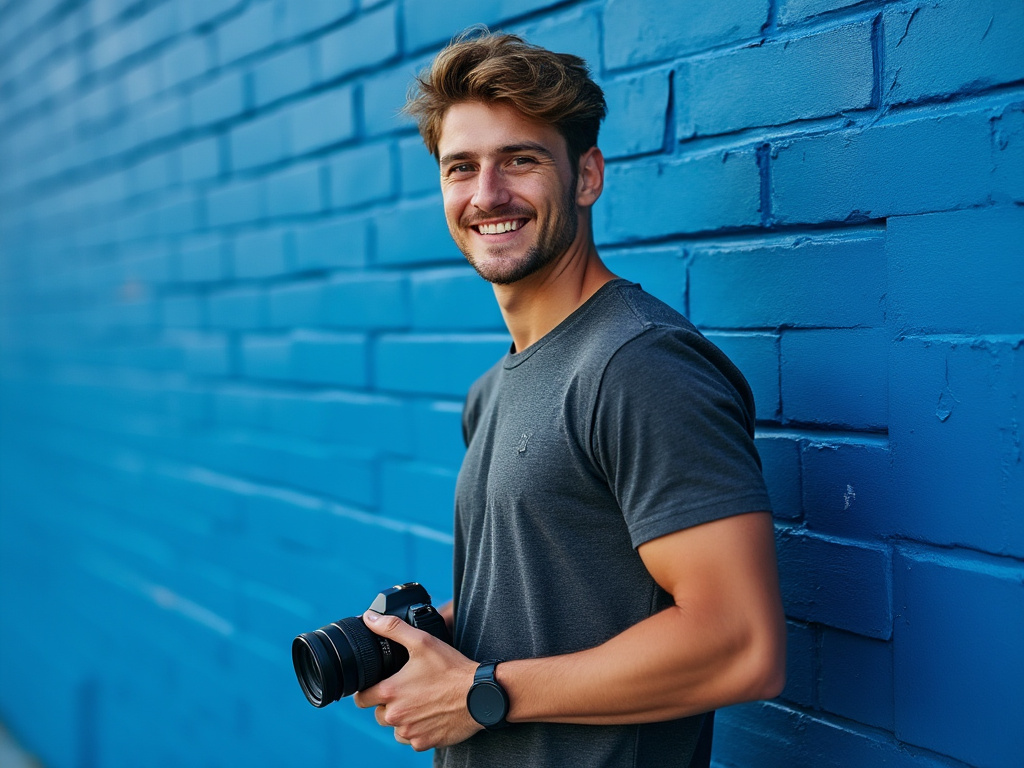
[342, 658]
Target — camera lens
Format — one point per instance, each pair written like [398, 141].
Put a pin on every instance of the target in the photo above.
[342, 658]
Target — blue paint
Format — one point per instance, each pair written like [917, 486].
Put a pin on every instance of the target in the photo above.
[235, 337]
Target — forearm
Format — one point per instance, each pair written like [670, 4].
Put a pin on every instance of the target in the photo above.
[665, 667]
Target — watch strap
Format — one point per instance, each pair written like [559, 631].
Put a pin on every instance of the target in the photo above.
[485, 677]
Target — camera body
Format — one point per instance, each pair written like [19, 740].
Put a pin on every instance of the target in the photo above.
[345, 657]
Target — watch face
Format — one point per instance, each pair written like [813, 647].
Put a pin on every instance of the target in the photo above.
[487, 704]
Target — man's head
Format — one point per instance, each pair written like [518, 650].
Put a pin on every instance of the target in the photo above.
[551, 88]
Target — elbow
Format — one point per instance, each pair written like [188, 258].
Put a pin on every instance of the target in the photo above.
[767, 670]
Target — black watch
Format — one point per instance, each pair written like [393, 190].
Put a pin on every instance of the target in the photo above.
[487, 700]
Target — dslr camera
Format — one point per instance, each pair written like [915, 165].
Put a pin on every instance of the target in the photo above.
[345, 657]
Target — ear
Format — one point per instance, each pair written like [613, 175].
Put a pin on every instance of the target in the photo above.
[590, 179]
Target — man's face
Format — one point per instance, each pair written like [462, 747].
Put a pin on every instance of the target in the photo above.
[509, 190]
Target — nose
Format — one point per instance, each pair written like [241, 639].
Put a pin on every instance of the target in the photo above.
[491, 190]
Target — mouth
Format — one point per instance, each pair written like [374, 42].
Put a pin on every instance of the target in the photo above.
[499, 227]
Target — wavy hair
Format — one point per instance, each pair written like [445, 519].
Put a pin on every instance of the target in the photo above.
[552, 88]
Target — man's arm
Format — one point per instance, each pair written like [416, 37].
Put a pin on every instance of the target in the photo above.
[722, 642]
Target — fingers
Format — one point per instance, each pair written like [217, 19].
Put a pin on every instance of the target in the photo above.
[380, 715]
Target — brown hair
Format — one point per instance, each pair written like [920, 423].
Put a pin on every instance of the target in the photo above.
[478, 65]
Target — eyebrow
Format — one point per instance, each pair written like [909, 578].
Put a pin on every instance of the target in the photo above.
[508, 149]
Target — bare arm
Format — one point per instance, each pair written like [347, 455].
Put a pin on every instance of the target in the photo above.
[722, 642]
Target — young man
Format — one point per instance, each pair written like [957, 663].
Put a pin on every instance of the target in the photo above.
[613, 549]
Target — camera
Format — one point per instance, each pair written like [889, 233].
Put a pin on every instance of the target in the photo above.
[345, 657]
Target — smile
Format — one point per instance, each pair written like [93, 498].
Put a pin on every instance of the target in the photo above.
[499, 227]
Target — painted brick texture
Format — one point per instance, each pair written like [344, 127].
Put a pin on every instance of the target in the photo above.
[235, 337]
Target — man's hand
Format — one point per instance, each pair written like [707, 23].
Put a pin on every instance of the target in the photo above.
[425, 701]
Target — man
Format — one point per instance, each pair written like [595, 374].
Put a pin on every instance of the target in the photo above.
[613, 549]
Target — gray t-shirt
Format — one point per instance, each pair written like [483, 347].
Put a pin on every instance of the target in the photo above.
[621, 425]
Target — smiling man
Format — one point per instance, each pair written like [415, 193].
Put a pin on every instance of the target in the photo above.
[615, 577]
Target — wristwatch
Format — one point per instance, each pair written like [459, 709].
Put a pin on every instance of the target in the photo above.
[487, 700]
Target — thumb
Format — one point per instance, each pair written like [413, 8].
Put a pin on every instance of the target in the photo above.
[391, 627]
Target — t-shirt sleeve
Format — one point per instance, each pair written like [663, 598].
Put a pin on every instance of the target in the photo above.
[673, 434]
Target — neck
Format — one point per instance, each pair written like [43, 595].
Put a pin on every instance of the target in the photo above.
[534, 306]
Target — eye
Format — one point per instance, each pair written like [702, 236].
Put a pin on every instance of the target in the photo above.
[522, 161]
[460, 169]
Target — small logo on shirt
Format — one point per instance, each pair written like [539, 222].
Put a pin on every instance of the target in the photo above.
[523, 441]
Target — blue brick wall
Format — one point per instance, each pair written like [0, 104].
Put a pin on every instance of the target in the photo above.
[235, 337]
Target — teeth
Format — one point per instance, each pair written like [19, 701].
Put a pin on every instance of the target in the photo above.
[499, 228]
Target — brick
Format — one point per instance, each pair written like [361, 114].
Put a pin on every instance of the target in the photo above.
[162, 120]
[202, 261]
[847, 487]
[838, 582]
[835, 282]
[181, 311]
[200, 160]
[857, 678]
[423, 27]
[435, 364]
[384, 96]
[297, 304]
[782, 737]
[152, 174]
[334, 472]
[266, 357]
[178, 214]
[308, 16]
[696, 194]
[951, 47]
[780, 463]
[413, 233]
[329, 358]
[295, 191]
[575, 30]
[197, 13]
[332, 244]
[283, 74]
[368, 41]
[252, 31]
[836, 377]
[361, 175]
[660, 271]
[260, 142]
[437, 433]
[235, 406]
[958, 666]
[371, 422]
[956, 415]
[219, 100]
[988, 271]
[801, 664]
[238, 309]
[453, 299]
[757, 357]
[637, 113]
[418, 493]
[263, 253]
[417, 167]
[367, 300]
[238, 203]
[814, 76]
[919, 166]
[646, 31]
[1008, 153]
[322, 120]
[792, 11]
[207, 355]
[186, 60]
